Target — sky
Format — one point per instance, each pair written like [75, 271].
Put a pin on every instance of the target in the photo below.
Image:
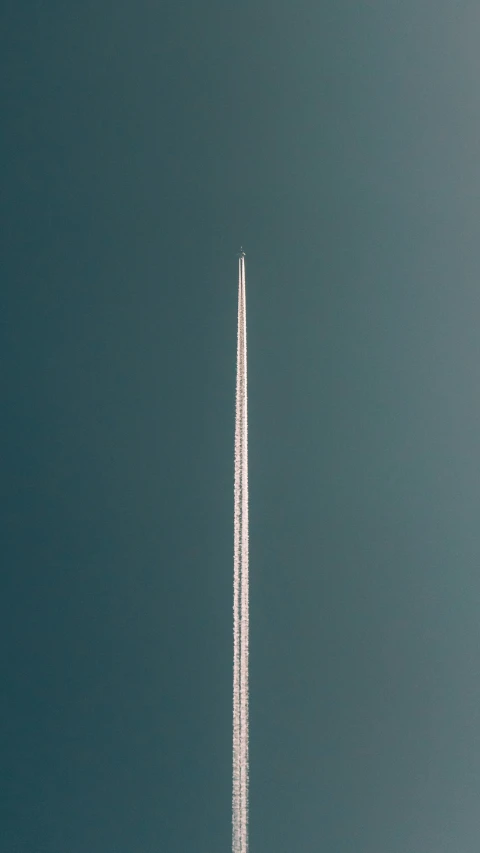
[142, 144]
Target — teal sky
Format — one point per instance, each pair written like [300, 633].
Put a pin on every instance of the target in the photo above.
[338, 141]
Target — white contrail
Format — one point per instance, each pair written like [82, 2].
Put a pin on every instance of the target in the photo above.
[240, 586]
[236, 843]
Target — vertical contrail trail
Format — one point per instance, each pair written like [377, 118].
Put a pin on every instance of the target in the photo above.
[240, 585]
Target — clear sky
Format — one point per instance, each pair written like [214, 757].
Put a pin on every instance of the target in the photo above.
[142, 143]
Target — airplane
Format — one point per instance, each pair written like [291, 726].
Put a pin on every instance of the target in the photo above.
[241, 253]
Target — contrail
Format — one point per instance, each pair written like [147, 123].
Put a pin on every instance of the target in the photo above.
[240, 585]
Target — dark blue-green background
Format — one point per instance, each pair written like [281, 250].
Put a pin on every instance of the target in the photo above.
[142, 143]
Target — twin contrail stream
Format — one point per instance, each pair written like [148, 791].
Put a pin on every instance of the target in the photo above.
[240, 585]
